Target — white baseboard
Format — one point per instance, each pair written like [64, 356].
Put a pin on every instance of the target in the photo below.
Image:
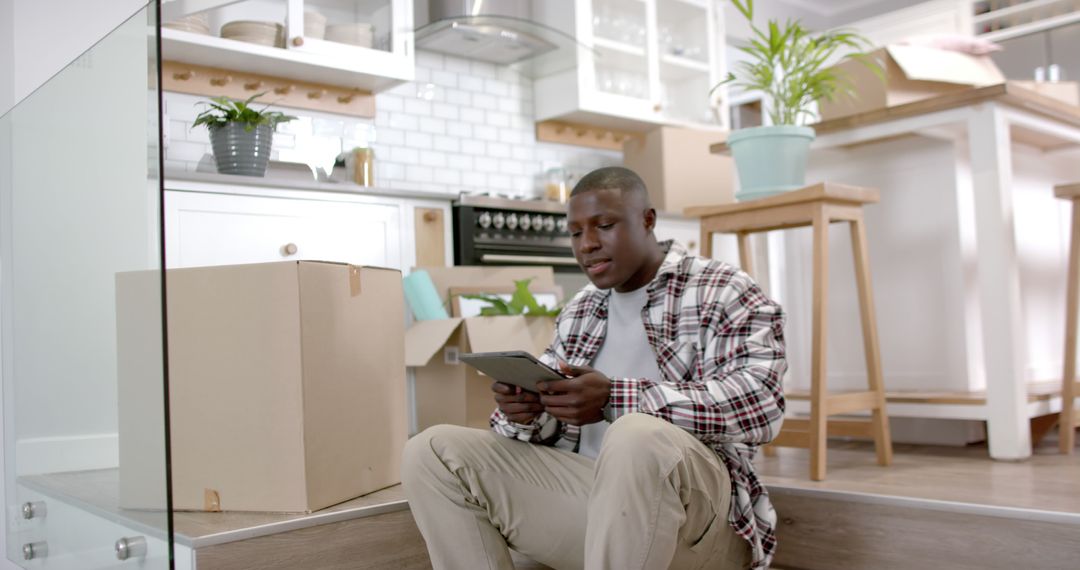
[66, 453]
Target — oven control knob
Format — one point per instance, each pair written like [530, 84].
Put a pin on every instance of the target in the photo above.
[497, 220]
[537, 222]
[484, 219]
[549, 223]
[511, 221]
[525, 223]
[562, 225]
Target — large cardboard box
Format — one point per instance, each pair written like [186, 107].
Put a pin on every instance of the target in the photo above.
[286, 383]
[1065, 91]
[448, 391]
[912, 73]
[678, 169]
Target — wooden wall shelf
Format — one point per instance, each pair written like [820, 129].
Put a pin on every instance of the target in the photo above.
[582, 135]
[216, 82]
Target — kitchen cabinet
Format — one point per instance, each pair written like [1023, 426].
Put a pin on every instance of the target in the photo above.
[364, 44]
[998, 20]
[640, 63]
[218, 225]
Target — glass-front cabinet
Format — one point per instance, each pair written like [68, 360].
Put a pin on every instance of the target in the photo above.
[366, 44]
[84, 408]
[641, 63]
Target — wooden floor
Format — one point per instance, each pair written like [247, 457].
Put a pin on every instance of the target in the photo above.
[1048, 481]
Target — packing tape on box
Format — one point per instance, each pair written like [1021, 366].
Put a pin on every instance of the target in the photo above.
[211, 501]
[354, 280]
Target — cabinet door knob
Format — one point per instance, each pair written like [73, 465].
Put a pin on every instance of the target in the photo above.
[298, 41]
[33, 509]
[35, 550]
[657, 107]
[130, 546]
[288, 249]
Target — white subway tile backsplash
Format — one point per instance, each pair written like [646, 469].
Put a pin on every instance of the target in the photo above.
[497, 88]
[474, 181]
[459, 130]
[405, 155]
[402, 121]
[511, 167]
[418, 140]
[417, 107]
[447, 144]
[445, 111]
[485, 164]
[484, 132]
[474, 147]
[433, 125]
[472, 116]
[498, 150]
[461, 124]
[497, 119]
[391, 137]
[388, 102]
[471, 83]
[429, 60]
[483, 101]
[447, 176]
[419, 174]
[432, 158]
[388, 170]
[444, 78]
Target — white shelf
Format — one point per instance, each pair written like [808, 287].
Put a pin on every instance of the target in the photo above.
[1032, 27]
[368, 69]
[675, 68]
[604, 44]
[1013, 10]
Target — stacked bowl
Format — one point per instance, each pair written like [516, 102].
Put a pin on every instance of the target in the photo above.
[262, 33]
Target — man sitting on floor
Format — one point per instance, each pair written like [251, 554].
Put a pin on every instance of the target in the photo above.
[642, 457]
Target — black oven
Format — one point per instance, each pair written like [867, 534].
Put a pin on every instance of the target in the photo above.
[503, 231]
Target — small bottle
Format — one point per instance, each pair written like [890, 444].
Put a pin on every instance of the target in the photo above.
[363, 166]
[555, 186]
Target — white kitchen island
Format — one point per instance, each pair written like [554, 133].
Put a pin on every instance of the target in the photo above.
[968, 252]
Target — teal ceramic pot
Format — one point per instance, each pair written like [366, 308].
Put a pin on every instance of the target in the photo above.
[770, 160]
[239, 151]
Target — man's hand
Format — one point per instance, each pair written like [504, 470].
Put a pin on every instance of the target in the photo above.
[580, 399]
[519, 406]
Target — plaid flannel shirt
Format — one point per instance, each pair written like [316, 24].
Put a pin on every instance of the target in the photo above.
[719, 344]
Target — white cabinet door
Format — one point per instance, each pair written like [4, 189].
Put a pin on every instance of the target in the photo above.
[652, 62]
[214, 229]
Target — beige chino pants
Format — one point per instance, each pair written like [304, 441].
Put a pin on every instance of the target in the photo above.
[655, 498]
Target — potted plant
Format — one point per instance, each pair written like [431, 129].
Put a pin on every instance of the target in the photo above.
[787, 64]
[241, 136]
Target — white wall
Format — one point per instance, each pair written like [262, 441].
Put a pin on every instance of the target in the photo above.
[7, 55]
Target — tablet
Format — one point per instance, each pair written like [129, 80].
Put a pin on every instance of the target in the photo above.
[514, 367]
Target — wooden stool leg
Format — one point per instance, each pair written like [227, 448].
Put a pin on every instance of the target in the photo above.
[819, 420]
[746, 259]
[706, 240]
[882, 438]
[1067, 424]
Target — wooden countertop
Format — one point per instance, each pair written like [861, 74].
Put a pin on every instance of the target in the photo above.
[1007, 93]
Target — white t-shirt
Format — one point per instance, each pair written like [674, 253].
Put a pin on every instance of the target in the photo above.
[626, 353]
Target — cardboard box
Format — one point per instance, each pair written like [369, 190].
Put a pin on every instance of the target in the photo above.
[286, 383]
[1064, 91]
[678, 169]
[912, 73]
[448, 391]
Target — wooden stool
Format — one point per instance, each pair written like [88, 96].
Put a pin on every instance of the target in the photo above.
[1069, 387]
[817, 206]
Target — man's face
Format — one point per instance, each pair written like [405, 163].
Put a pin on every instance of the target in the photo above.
[611, 233]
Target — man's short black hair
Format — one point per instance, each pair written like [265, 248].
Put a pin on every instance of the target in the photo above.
[611, 177]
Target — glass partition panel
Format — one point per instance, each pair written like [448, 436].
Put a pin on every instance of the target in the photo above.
[84, 413]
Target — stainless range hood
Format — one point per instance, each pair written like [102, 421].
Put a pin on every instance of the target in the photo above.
[503, 32]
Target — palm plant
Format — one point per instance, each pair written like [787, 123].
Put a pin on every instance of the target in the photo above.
[522, 302]
[787, 64]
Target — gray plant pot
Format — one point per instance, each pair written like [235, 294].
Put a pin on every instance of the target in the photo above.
[239, 151]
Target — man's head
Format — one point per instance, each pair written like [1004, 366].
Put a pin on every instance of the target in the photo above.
[611, 229]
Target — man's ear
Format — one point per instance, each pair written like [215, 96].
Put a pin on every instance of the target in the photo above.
[650, 219]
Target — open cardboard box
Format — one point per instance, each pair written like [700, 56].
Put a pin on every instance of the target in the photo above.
[449, 391]
[912, 73]
[679, 170]
[286, 385]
